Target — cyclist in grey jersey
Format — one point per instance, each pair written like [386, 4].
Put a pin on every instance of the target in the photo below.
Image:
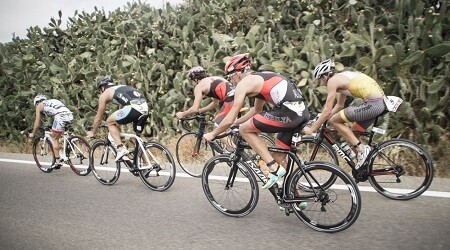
[62, 117]
[132, 108]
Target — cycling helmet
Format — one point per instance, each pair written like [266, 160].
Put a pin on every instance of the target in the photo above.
[39, 98]
[236, 63]
[105, 81]
[323, 68]
[196, 73]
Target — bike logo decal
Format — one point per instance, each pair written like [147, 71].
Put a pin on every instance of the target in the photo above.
[340, 152]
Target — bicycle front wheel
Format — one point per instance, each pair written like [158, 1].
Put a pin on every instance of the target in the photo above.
[102, 163]
[77, 152]
[159, 173]
[43, 154]
[308, 150]
[400, 169]
[329, 209]
[192, 152]
[230, 187]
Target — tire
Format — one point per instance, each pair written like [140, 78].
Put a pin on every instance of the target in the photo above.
[43, 154]
[334, 208]
[190, 158]
[411, 169]
[236, 200]
[325, 153]
[102, 162]
[162, 176]
[77, 152]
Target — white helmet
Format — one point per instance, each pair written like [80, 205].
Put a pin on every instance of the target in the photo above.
[323, 68]
[39, 98]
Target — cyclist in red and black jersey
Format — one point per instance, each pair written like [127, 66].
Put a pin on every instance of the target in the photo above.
[289, 113]
[219, 89]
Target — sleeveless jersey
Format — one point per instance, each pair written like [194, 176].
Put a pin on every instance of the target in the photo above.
[53, 107]
[278, 89]
[123, 94]
[221, 89]
[362, 86]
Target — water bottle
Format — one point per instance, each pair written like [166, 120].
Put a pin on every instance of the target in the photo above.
[348, 151]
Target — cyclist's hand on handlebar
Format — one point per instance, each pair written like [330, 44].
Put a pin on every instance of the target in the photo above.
[31, 135]
[179, 115]
[90, 134]
[308, 131]
[209, 136]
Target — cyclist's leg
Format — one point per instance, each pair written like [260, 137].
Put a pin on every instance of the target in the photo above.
[59, 124]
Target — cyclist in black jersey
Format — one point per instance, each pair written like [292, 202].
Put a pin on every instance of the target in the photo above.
[132, 108]
[220, 90]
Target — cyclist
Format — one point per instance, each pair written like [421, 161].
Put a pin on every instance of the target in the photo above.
[289, 113]
[343, 84]
[219, 89]
[62, 117]
[132, 108]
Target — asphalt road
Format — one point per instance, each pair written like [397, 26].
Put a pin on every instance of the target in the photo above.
[61, 210]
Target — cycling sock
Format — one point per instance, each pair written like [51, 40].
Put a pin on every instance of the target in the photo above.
[357, 145]
[120, 145]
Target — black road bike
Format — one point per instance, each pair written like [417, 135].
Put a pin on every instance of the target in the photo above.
[398, 169]
[230, 184]
[192, 151]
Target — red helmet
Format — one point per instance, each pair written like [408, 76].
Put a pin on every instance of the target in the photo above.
[236, 63]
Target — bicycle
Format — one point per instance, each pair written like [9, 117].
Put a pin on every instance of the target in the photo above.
[398, 169]
[75, 149]
[230, 184]
[151, 161]
[192, 151]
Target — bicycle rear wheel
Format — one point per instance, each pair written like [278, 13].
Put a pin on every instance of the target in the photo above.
[161, 174]
[102, 163]
[400, 169]
[329, 209]
[78, 155]
[192, 152]
[43, 154]
[236, 198]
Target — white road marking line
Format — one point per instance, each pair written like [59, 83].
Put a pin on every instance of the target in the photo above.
[361, 188]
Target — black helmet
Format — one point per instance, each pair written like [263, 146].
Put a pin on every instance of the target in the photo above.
[105, 81]
[196, 73]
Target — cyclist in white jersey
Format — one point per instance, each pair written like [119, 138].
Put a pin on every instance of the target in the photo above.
[132, 108]
[62, 117]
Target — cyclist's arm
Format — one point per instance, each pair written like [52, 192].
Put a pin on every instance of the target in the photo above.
[340, 103]
[328, 107]
[199, 92]
[102, 100]
[239, 102]
[256, 109]
[37, 119]
[214, 104]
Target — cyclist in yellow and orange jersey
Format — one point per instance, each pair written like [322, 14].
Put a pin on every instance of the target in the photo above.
[341, 85]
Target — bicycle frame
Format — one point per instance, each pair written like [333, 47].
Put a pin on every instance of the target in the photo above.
[325, 133]
[139, 145]
[280, 197]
